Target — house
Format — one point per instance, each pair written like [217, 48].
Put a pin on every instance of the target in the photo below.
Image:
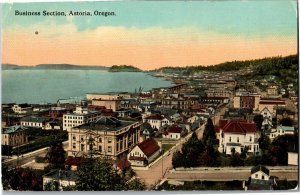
[272, 89]
[14, 136]
[53, 125]
[282, 113]
[173, 132]
[144, 153]
[267, 118]
[34, 121]
[236, 135]
[105, 137]
[281, 130]
[260, 179]
[155, 120]
[21, 108]
[64, 178]
[147, 130]
[271, 104]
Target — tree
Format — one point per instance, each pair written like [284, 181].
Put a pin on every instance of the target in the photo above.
[136, 184]
[264, 142]
[178, 160]
[56, 155]
[236, 160]
[20, 179]
[286, 122]
[99, 175]
[258, 119]
[209, 134]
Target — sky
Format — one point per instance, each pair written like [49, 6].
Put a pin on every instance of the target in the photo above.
[149, 35]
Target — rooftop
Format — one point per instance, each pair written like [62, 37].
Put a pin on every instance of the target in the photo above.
[13, 129]
[260, 168]
[106, 123]
[149, 146]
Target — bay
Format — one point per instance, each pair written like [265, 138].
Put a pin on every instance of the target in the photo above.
[47, 86]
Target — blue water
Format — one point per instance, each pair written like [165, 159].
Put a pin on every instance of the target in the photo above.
[47, 86]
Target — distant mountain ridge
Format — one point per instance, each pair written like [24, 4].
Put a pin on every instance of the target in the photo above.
[52, 67]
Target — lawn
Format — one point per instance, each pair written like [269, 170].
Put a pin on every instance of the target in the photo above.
[166, 147]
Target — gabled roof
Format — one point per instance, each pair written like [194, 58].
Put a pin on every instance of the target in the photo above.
[35, 119]
[155, 117]
[174, 129]
[260, 168]
[239, 127]
[149, 146]
[13, 129]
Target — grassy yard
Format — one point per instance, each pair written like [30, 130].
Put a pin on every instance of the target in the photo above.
[167, 147]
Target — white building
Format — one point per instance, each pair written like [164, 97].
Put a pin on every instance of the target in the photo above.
[155, 121]
[144, 153]
[281, 130]
[260, 172]
[21, 108]
[237, 135]
[33, 121]
[61, 177]
[173, 133]
[79, 117]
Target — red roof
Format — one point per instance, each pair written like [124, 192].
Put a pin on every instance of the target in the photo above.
[136, 158]
[273, 102]
[73, 161]
[149, 146]
[155, 117]
[239, 127]
[174, 129]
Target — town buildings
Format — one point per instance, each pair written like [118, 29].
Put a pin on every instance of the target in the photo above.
[236, 135]
[106, 137]
[78, 117]
[14, 136]
[144, 153]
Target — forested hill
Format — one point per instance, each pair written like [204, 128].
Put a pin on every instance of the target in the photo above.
[124, 68]
[261, 66]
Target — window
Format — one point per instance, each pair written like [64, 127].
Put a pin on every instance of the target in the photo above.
[74, 146]
[100, 139]
[74, 138]
[82, 147]
[100, 148]
[229, 139]
[256, 175]
[262, 177]
[250, 138]
[109, 149]
[109, 140]
[238, 139]
[81, 139]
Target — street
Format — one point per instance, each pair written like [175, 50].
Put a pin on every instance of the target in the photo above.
[160, 169]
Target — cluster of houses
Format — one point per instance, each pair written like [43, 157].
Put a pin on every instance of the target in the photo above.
[128, 128]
